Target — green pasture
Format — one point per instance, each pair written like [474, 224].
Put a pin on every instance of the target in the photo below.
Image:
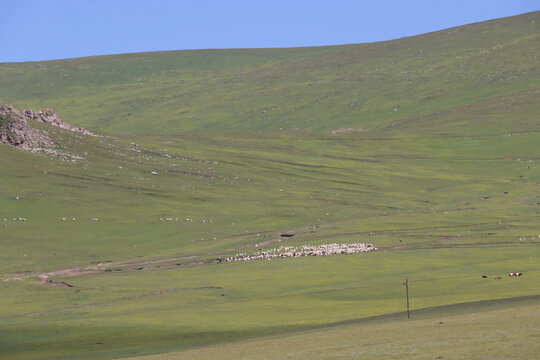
[442, 220]
[485, 330]
[365, 86]
[238, 192]
[135, 312]
[443, 180]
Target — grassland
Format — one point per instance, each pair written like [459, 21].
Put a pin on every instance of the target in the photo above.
[472, 330]
[364, 86]
[443, 179]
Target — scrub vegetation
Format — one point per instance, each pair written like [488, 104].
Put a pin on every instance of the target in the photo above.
[425, 147]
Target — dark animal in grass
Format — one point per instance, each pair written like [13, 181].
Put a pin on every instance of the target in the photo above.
[484, 276]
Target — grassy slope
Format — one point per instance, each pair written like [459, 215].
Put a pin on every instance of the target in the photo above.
[264, 90]
[453, 178]
[501, 330]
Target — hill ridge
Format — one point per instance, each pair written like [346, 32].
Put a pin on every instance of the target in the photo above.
[319, 88]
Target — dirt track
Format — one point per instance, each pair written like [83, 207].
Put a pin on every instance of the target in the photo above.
[207, 258]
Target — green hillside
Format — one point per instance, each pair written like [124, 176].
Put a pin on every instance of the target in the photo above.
[214, 153]
[360, 86]
[506, 333]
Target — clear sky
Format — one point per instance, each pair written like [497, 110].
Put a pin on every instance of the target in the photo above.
[53, 29]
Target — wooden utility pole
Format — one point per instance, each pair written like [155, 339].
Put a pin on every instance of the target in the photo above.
[406, 283]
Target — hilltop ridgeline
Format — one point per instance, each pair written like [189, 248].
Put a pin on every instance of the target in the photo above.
[402, 84]
[15, 130]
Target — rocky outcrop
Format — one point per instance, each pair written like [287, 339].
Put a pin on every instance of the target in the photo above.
[47, 116]
[15, 129]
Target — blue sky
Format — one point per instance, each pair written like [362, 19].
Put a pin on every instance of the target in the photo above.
[33, 30]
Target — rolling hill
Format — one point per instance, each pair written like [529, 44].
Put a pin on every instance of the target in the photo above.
[425, 147]
[361, 86]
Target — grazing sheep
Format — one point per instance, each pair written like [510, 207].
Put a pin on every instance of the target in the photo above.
[305, 250]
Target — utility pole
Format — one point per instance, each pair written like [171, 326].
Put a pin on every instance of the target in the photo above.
[406, 283]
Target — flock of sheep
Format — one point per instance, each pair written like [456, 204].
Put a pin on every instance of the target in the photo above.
[305, 250]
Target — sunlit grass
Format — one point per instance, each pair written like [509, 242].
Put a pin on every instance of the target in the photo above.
[446, 186]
